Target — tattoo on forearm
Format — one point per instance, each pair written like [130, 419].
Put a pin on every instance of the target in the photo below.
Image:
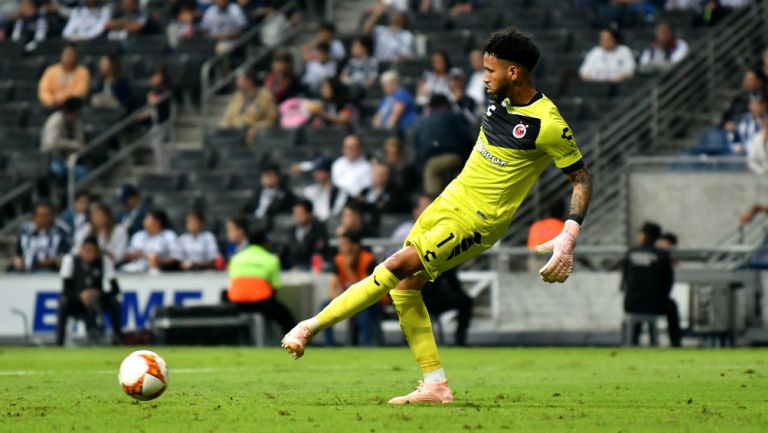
[582, 191]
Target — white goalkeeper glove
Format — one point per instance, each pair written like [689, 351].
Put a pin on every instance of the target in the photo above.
[560, 265]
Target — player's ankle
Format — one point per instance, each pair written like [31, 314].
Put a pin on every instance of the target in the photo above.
[312, 324]
[435, 376]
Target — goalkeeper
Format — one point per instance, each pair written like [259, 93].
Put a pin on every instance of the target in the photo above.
[521, 132]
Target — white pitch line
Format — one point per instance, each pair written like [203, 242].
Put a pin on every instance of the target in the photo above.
[172, 370]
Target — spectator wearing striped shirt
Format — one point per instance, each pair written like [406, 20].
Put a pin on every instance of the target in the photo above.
[87, 21]
[199, 250]
[41, 242]
[30, 27]
[392, 42]
[224, 21]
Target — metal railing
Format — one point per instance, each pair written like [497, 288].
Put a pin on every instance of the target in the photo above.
[104, 139]
[208, 89]
[657, 112]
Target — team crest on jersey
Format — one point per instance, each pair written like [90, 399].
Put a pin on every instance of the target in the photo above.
[519, 130]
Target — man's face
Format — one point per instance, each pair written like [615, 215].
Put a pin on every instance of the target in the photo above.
[194, 225]
[351, 220]
[43, 217]
[757, 108]
[476, 60]
[347, 247]
[68, 57]
[322, 176]
[152, 225]
[607, 42]
[269, 179]
[131, 202]
[325, 35]
[222, 3]
[28, 8]
[392, 153]
[751, 82]
[89, 253]
[244, 84]
[128, 5]
[664, 33]
[389, 86]
[499, 75]
[301, 216]
[234, 233]
[92, 3]
[82, 203]
[351, 148]
[380, 175]
[664, 244]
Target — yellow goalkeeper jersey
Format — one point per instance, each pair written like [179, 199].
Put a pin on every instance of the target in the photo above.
[515, 145]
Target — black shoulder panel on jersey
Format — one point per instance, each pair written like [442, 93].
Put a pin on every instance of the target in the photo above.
[510, 131]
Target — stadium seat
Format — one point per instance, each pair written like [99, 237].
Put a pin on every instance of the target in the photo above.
[20, 139]
[159, 182]
[190, 161]
[28, 164]
[324, 137]
[25, 91]
[146, 45]
[389, 222]
[224, 139]
[482, 21]
[429, 22]
[98, 47]
[277, 137]
[208, 182]
[374, 138]
[456, 43]
[197, 46]
[10, 117]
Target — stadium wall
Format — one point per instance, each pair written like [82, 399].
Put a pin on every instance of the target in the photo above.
[700, 207]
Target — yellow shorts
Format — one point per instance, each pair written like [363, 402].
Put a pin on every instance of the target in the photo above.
[447, 234]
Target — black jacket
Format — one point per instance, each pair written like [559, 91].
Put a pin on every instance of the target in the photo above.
[315, 241]
[647, 280]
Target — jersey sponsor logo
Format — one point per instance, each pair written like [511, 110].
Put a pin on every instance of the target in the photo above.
[489, 156]
[519, 130]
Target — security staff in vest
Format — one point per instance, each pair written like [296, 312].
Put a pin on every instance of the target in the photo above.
[647, 282]
[83, 296]
[353, 263]
[254, 277]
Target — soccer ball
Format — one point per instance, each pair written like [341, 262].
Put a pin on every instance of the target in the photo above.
[143, 375]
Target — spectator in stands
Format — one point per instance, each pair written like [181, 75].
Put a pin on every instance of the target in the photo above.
[753, 86]
[199, 250]
[327, 199]
[362, 69]
[397, 110]
[610, 61]
[476, 85]
[461, 103]
[380, 197]
[322, 66]
[443, 142]
[251, 108]
[666, 50]
[418, 204]
[63, 134]
[335, 106]
[112, 237]
[325, 35]
[134, 211]
[83, 275]
[272, 197]
[647, 282]
[157, 113]
[352, 264]
[353, 219]
[64, 80]
[434, 81]
[254, 279]
[281, 81]
[112, 90]
[445, 294]
[224, 21]
[154, 248]
[183, 25]
[402, 174]
[749, 125]
[757, 151]
[351, 172]
[237, 235]
[30, 26]
[41, 242]
[76, 216]
[127, 21]
[393, 42]
[87, 21]
[308, 237]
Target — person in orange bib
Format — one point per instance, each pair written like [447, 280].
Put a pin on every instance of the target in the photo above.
[254, 276]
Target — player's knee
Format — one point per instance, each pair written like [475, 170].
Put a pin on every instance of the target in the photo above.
[403, 263]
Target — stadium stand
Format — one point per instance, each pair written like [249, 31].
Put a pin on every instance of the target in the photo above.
[216, 172]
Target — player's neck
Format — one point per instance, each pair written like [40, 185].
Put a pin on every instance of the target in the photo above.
[522, 95]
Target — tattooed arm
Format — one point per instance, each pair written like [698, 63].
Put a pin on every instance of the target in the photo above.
[581, 181]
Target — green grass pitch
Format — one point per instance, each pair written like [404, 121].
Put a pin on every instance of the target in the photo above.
[345, 390]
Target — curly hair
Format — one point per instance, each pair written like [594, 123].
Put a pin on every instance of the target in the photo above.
[513, 45]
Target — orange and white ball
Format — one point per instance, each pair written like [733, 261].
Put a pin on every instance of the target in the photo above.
[143, 375]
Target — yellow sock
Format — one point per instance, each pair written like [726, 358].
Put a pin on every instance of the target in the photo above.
[357, 297]
[415, 323]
